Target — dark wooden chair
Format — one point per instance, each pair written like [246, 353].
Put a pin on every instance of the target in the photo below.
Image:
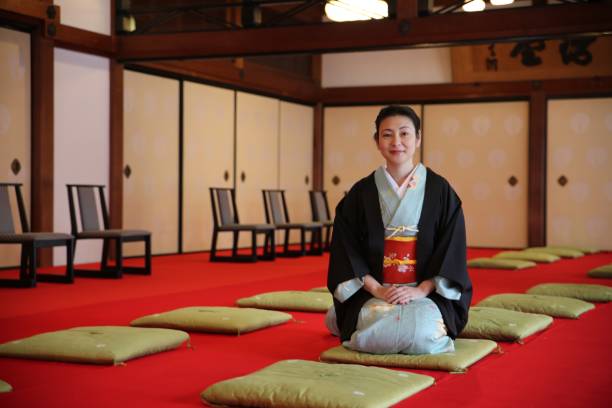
[90, 200]
[225, 219]
[30, 242]
[277, 214]
[320, 213]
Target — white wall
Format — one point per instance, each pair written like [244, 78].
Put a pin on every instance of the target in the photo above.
[394, 67]
[81, 129]
[91, 15]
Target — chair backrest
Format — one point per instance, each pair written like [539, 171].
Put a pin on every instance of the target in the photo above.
[276, 206]
[90, 202]
[223, 202]
[319, 206]
[7, 224]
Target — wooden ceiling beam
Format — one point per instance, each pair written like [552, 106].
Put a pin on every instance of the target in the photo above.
[553, 88]
[497, 25]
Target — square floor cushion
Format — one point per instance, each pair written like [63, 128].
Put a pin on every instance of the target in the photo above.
[503, 325]
[298, 300]
[320, 289]
[582, 291]
[498, 263]
[467, 352]
[555, 306]
[558, 251]
[301, 384]
[603, 271]
[532, 256]
[95, 344]
[214, 319]
[5, 387]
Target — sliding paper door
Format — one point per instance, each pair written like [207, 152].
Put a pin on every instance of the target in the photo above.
[482, 149]
[579, 173]
[15, 120]
[151, 159]
[208, 159]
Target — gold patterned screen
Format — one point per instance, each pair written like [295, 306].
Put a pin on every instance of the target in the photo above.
[579, 173]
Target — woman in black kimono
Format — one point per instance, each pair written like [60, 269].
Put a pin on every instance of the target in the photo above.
[397, 267]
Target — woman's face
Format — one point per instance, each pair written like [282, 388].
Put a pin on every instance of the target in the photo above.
[398, 140]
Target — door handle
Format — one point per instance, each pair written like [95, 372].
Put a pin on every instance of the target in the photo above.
[226, 175]
[127, 171]
[242, 176]
[336, 180]
[16, 166]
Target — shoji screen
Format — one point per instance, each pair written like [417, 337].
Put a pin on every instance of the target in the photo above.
[295, 147]
[81, 137]
[15, 119]
[481, 148]
[257, 126]
[151, 152]
[579, 173]
[350, 151]
[208, 159]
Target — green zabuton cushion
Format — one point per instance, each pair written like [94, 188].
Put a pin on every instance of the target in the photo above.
[95, 344]
[467, 352]
[320, 289]
[214, 319]
[555, 306]
[305, 301]
[528, 256]
[503, 325]
[5, 387]
[604, 271]
[498, 263]
[309, 384]
[558, 251]
[588, 292]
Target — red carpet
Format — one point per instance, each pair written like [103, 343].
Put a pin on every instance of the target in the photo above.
[564, 366]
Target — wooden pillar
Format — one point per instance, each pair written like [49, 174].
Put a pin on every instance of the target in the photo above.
[537, 169]
[116, 145]
[317, 151]
[406, 9]
[42, 138]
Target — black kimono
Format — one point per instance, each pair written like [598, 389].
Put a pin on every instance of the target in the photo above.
[358, 243]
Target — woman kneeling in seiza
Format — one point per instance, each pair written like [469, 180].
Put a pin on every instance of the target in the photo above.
[397, 267]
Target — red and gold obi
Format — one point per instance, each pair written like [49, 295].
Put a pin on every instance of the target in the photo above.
[399, 261]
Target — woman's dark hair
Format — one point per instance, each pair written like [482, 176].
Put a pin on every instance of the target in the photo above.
[397, 110]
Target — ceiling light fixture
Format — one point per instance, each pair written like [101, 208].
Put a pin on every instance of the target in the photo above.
[501, 2]
[354, 10]
[474, 5]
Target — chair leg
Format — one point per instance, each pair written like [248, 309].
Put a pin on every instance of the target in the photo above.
[286, 243]
[69, 261]
[235, 236]
[148, 255]
[118, 257]
[213, 247]
[32, 280]
[254, 245]
[327, 238]
[302, 241]
[104, 262]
